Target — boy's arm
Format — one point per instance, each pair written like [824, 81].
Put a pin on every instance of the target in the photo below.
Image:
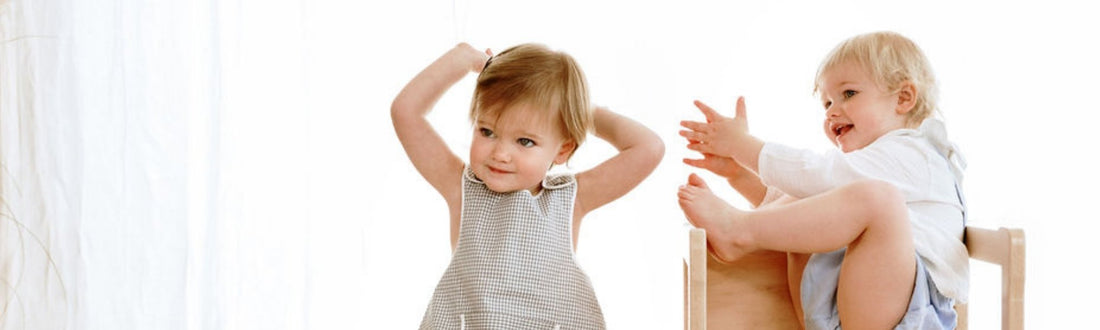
[640, 150]
[746, 182]
[750, 187]
[425, 148]
[802, 173]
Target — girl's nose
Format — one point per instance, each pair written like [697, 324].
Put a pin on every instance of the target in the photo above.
[500, 153]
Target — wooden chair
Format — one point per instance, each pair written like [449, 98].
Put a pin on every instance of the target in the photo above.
[750, 293]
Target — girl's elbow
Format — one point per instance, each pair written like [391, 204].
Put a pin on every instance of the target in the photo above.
[655, 150]
[659, 149]
[401, 111]
[397, 108]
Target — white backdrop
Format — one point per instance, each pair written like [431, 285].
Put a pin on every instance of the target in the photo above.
[231, 164]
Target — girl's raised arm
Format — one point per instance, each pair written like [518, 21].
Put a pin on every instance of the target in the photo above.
[427, 150]
[640, 150]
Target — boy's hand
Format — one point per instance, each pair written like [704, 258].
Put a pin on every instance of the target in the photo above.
[720, 135]
[470, 57]
[723, 166]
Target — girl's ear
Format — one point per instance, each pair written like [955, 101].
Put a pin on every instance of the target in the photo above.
[907, 98]
[565, 151]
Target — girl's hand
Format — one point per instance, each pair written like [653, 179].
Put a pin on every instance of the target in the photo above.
[723, 166]
[470, 57]
[720, 135]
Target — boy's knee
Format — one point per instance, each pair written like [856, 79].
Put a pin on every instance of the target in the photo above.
[883, 200]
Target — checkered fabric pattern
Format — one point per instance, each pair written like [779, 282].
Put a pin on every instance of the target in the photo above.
[514, 266]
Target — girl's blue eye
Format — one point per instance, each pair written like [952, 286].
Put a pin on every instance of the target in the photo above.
[486, 132]
[849, 93]
[828, 104]
[526, 142]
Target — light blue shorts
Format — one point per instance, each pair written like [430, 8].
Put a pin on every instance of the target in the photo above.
[928, 308]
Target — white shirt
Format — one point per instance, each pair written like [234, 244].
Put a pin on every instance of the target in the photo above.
[921, 163]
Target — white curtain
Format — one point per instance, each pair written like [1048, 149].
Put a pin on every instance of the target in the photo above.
[154, 165]
[189, 164]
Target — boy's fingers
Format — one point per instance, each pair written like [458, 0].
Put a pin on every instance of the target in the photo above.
[741, 108]
[703, 148]
[707, 111]
[692, 136]
[695, 162]
[693, 125]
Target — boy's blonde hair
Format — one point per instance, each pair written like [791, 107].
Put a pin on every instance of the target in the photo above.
[892, 60]
[536, 76]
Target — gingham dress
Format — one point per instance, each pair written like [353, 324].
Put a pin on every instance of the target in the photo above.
[514, 266]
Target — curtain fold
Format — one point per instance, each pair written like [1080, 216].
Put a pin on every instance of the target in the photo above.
[152, 165]
[37, 181]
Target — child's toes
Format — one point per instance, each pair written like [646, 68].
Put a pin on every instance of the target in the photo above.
[697, 181]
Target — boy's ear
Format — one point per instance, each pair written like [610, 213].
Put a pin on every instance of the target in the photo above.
[565, 151]
[907, 98]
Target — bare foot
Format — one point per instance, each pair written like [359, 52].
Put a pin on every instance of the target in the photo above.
[720, 219]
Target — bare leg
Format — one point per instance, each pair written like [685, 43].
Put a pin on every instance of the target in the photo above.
[869, 217]
[879, 267]
[796, 263]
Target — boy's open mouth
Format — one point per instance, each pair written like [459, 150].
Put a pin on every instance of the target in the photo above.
[841, 129]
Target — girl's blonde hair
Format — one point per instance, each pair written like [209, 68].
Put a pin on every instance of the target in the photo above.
[534, 75]
[892, 60]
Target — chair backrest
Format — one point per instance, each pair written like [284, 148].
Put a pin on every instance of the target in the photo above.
[732, 304]
[1004, 247]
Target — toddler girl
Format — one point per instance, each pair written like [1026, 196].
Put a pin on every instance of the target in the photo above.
[514, 228]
